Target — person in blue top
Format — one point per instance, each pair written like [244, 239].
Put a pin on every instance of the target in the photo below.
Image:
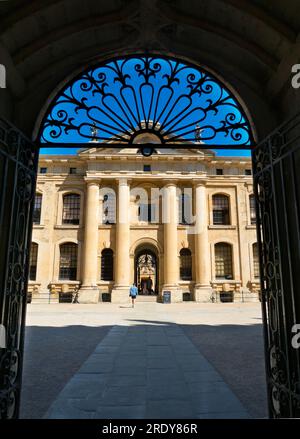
[133, 292]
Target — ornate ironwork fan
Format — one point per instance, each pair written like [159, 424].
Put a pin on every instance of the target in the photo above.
[122, 98]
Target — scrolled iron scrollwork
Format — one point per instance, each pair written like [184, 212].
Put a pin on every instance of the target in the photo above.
[123, 96]
[21, 156]
[272, 167]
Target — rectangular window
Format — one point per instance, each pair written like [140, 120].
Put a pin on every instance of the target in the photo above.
[185, 209]
[73, 170]
[223, 261]
[147, 168]
[248, 172]
[220, 210]
[146, 212]
[107, 261]
[252, 209]
[37, 209]
[68, 262]
[219, 171]
[43, 170]
[71, 209]
[109, 209]
[33, 262]
[255, 261]
[185, 264]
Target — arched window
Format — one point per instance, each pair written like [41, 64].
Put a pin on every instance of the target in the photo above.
[252, 209]
[170, 99]
[37, 209]
[107, 264]
[255, 259]
[223, 261]
[146, 212]
[109, 209]
[185, 209]
[68, 261]
[221, 209]
[185, 264]
[33, 261]
[71, 209]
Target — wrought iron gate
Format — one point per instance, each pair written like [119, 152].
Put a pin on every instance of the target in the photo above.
[276, 165]
[18, 167]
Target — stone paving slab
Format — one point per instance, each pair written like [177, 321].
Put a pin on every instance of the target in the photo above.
[146, 371]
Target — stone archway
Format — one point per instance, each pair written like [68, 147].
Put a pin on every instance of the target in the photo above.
[146, 270]
[272, 162]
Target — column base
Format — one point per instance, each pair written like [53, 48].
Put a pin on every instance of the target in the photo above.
[43, 297]
[88, 295]
[246, 296]
[202, 294]
[120, 295]
[176, 293]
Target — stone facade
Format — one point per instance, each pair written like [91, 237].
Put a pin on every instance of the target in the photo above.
[112, 212]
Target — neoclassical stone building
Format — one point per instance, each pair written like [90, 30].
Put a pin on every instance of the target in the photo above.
[181, 221]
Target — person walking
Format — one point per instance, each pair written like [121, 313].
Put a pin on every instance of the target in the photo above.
[133, 292]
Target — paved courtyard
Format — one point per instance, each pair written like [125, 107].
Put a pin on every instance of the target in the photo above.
[154, 361]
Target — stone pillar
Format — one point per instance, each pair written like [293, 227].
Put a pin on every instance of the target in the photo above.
[203, 290]
[120, 292]
[89, 292]
[171, 259]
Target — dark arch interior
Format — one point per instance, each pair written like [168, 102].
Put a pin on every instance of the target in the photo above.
[146, 270]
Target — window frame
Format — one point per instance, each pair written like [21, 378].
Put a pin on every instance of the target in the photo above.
[72, 221]
[74, 274]
[252, 210]
[34, 252]
[227, 274]
[255, 261]
[185, 264]
[106, 269]
[38, 196]
[182, 207]
[109, 202]
[225, 213]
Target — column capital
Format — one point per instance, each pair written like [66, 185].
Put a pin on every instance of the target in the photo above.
[199, 183]
[123, 181]
[169, 182]
[92, 181]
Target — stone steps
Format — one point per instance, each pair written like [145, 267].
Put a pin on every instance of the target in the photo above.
[142, 298]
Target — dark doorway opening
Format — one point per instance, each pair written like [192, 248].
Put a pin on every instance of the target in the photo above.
[146, 272]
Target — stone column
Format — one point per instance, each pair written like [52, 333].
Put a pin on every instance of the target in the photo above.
[120, 292]
[171, 259]
[203, 290]
[89, 292]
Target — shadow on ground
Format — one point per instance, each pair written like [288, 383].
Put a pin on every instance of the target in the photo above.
[53, 355]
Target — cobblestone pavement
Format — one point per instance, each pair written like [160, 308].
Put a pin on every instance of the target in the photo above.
[154, 361]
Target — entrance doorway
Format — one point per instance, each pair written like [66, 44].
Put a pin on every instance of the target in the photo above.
[146, 272]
